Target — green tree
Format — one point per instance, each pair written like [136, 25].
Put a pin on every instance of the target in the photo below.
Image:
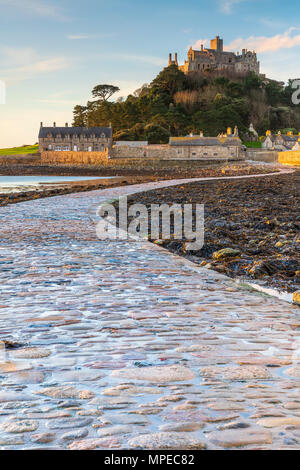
[80, 116]
[156, 134]
[169, 81]
[104, 92]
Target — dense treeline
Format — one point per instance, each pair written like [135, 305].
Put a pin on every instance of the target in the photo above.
[176, 104]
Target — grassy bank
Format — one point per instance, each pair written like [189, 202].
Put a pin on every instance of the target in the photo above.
[27, 149]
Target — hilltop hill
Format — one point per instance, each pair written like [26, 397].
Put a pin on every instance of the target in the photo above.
[177, 104]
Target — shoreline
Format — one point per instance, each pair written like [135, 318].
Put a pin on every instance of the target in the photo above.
[56, 189]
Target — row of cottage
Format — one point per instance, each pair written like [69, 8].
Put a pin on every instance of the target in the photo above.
[281, 142]
[99, 139]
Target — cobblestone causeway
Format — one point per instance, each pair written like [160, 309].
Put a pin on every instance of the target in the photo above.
[122, 345]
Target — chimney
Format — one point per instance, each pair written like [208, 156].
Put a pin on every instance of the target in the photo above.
[201, 133]
[170, 59]
[202, 47]
[176, 60]
[67, 125]
[54, 124]
[41, 124]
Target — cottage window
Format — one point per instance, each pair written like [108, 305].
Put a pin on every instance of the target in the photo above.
[66, 148]
[58, 148]
[50, 147]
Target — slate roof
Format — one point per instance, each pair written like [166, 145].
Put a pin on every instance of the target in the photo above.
[205, 141]
[286, 138]
[290, 138]
[79, 131]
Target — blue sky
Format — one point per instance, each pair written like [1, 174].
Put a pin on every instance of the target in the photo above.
[52, 53]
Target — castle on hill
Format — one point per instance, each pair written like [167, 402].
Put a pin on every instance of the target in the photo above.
[216, 59]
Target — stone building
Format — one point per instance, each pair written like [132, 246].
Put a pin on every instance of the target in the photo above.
[281, 142]
[193, 147]
[75, 139]
[225, 146]
[216, 59]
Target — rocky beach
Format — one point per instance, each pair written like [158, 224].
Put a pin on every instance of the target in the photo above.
[122, 176]
[251, 227]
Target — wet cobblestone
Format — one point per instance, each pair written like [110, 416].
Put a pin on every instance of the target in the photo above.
[125, 345]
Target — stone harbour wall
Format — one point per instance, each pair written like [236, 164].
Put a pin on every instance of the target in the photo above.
[289, 158]
[74, 158]
[20, 159]
[261, 155]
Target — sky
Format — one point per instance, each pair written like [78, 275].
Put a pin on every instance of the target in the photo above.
[52, 53]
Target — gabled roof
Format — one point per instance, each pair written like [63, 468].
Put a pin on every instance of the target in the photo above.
[284, 137]
[79, 131]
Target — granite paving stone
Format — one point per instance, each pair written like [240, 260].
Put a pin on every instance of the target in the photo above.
[123, 345]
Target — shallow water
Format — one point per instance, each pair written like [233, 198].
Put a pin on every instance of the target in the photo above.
[29, 180]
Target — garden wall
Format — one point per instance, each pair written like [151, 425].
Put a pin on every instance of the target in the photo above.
[74, 158]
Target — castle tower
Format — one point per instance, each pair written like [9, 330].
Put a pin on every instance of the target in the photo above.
[171, 61]
[217, 44]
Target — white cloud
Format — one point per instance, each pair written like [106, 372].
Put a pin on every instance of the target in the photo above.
[26, 72]
[286, 40]
[35, 7]
[200, 42]
[73, 37]
[59, 102]
[16, 55]
[22, 63]
[157, 61]
[226, 6]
